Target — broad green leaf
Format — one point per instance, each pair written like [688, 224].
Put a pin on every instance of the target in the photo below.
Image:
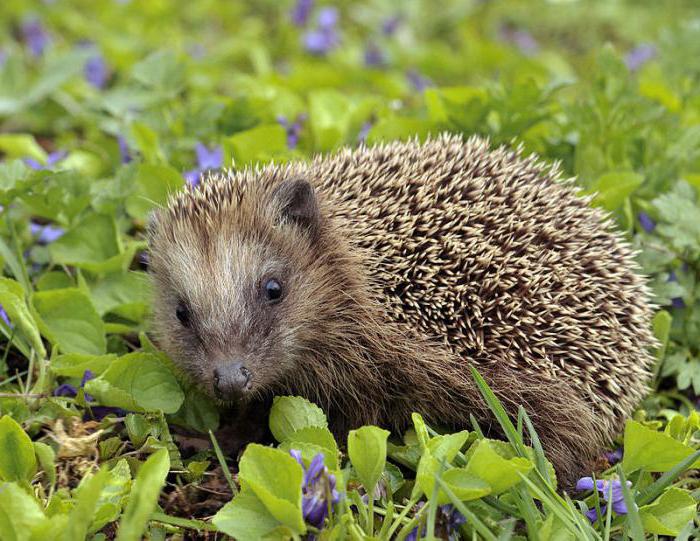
[613, 188]
[54, 280]
[69, 320]
[198, 411]
[245, 518]
[445, 447]
[464, 485]
[259, 144]
[114, 495]
[144, 496]
[662, 329]
[275, 478]
[154, 184]
[13, 301]
[20, 513]
[126, 294]
[138, 382]
[46, 458]
[21, 145]
[17, 458]
[74, 365]
[367, 452]
[92, 245]
[290, 413]
[86, 501]
[652, 451]
[670, 513]
[312, 440]
[500, 473]
[329, 117]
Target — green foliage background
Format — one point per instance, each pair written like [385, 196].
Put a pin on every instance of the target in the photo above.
[568, 80]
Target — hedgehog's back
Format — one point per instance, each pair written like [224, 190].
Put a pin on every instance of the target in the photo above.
[498, 257]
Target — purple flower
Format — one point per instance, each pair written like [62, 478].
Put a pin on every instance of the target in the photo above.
[418, 82]
[324, 37]
[613, 457]
[522, 39]
[52, 159]
[206, 159]
[3, 57]
[5, 317]
[374, 56]
[293, 129]
[35, 37]
[45, 234]
[390, 25]
[646, 222]
[616, 499]
[96, 72]
[639, 56]
[364, 131]
[66, 389]
[301, 11]
[124, 152]
[318, 489]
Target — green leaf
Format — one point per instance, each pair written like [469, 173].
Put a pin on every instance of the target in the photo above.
[312, 440]
[13, 301]
[21, 145]
[113, 496]
[91, 245]
[367, 452]
[445, 447]
[613, 188]
[291, 413]
[464, 485]
[275, 478]
[74, 365]
[69, 320]
[20, 513]
[652, 451]
[82, 513]
[198, 411]
[126, 294]
[670, 513]
[329, 117]
[46, 457]
[662, 329]
[257, 145]
[144, 496]
[137, 382]
[154, 184]
[500, 473]
[245, 518]
[17, 458]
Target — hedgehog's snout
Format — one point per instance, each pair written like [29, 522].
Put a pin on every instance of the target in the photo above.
[232, 380]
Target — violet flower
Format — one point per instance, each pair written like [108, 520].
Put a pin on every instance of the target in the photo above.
[95, 412]
[418, 82]
[96, 72]
[45, 234]
[616, 499]
[124, 151]
[301, 11]
[449, 518]
[520, 38]
[207, 159]
[35, 37]
[293, 129]
[364, 131]
[3, 57]
[374, 56]
[613, 457]
[318, 489]
[5, 317]
[639, 56]
[52, 159]
[646, 222]
[390, 25]
[324, 37]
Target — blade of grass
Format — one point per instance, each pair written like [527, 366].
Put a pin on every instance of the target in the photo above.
[608, 514]
[475, 425]
[189, 523]
[540, 459]
[500, 412]
[472, 519]
[528, 511]
[633, 519]
[222, 463]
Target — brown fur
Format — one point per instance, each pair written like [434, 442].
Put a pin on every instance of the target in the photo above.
[425, 258]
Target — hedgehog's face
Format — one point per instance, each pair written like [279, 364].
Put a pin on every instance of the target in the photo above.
[233, 291]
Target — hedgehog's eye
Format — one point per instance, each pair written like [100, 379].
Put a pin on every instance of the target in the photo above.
[183, 314]
[273, 290]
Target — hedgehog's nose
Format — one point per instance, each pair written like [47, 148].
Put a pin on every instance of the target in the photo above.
[231, 380]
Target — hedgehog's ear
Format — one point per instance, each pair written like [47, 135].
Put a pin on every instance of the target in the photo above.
[297, 203]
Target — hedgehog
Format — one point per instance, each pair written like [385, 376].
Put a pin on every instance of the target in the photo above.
[368, 281]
